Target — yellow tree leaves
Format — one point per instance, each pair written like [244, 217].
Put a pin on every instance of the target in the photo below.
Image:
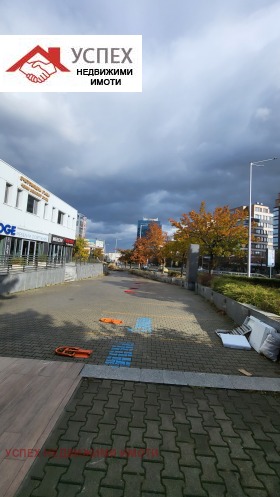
[219, 234]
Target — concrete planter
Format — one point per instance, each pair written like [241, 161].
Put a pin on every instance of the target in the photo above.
[159, 277]
[235, 310]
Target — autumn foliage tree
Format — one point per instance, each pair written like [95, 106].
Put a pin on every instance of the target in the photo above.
[81, 249]
[219, 234]
[177, 250]
[126, 256]
[139, 253]
[97, 253]
[151, 246]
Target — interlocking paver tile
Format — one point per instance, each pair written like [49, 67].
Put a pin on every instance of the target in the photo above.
[114, 476]
[152, 482]
[209, 469]
[232, 483]
[193, 486]
[259, 462]
[104, 435]
[248, 477]
[215, 436]
[136, 438]
[47, 487]
[133, 485]
[171, 467]
[174, 488]
[269, 450]
[271, 484]
[236, 448]
[68, 490]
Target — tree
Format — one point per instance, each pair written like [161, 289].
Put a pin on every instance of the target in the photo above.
[177, 250]
[150, 247]
[219, 234]
[126, 256]
[81, 251]
[155, 242]
[139, 253]
[97, 253]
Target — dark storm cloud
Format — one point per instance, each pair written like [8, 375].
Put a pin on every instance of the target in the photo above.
[210, 105]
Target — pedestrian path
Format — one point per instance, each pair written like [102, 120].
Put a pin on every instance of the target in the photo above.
[172, 328]
[124, 438]
[160, 407]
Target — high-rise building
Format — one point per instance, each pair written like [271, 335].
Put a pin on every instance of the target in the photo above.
[262, 231]
[81, 226]
[143, 226]
[276, 223]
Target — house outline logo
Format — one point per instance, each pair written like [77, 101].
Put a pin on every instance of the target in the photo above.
[37, 70]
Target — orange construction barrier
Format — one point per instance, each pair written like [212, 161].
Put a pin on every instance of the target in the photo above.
[73, 352]
[111, 320]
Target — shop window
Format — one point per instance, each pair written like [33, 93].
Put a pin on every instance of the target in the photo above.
[7, 193]
[32, 205]
[60, 217]
[18, 200]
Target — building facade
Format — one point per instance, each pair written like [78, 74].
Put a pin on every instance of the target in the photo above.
[276, 224]
[262, 232]
[81, 226]
[33, 221]
[143, 226]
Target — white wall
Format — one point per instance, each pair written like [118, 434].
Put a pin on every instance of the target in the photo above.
[18, 216]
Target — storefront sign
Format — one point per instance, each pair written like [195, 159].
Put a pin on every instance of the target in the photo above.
[31, 235]
[69, 242]
[34, 189]
[7, 229]
[57, 239]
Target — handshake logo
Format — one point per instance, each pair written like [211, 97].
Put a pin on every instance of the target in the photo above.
[38, 65]
[38, 71]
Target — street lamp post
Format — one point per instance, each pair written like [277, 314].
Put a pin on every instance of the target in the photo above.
[116, 246]
[257, 164]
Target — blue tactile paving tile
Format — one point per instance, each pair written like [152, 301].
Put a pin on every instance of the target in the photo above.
[120, 355]
[143, 325]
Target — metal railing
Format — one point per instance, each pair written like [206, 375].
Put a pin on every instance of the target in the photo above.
[16, 264]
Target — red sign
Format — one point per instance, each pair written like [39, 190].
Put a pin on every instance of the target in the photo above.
[69, 241]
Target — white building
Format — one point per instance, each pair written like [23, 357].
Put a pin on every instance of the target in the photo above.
[262, 231]
[33, 221]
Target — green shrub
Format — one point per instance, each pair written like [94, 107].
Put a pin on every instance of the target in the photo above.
[265, 299]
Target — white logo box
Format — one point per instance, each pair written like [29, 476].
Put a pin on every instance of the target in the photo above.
[66, 63]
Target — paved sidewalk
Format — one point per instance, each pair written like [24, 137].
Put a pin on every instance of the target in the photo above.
[143, 438]
[124, 439]
[182, 338]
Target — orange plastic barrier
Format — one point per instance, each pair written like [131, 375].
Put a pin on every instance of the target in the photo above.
[73, 352]
[111, 320]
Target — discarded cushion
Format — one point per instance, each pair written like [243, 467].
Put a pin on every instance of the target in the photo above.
[271, 346]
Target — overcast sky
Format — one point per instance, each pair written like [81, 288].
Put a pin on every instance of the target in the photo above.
[210, 105]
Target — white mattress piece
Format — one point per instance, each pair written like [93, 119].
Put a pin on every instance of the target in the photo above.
[234, 341]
